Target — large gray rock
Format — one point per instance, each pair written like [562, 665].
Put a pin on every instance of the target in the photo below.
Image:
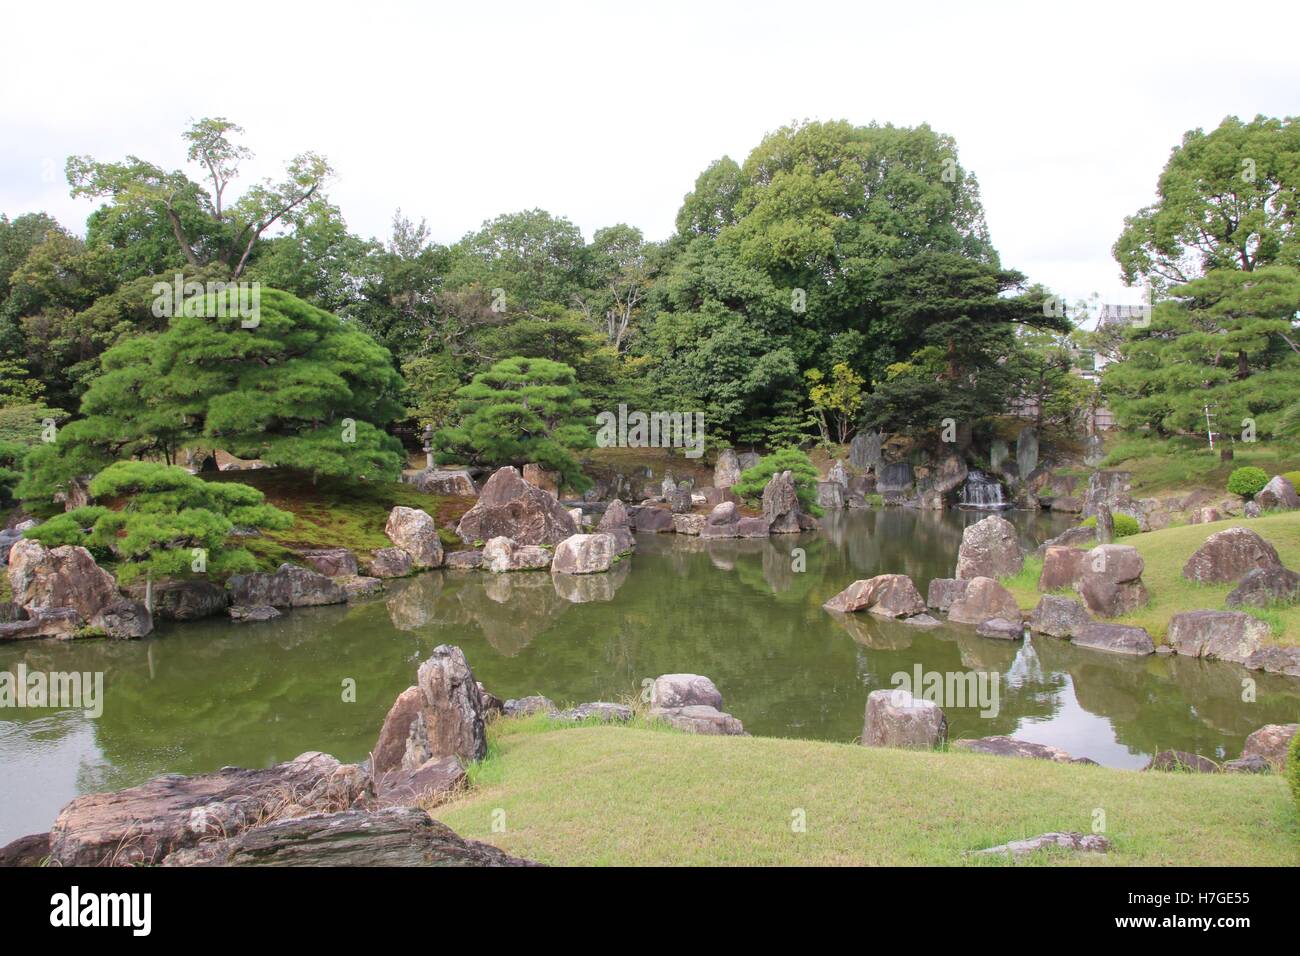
[289, 586]
[885, 595]
[684, 690]
[941, 592]
[692, 703]
[700, 719]
[989, 549]
[781, 505]
[1279, 493]
[584, 554]
[1115, 638]
[1062, 567]
[652, 520]
[510, 507]
[123, 618]
[689, 524]
[1222, 635]
[894, 718]
[830, 495]
[414, 531]
[615, 522]
[838, 474]
[895, 481]
[437, 481]
[864, 450]
[331, 562]
[727, 471]
[1109, 579]
[441, 716]
[1271, 744]
[391, 563]
[1058, 617]
[67, 576]
[1110, 488]
[185, 599]
[1264, 587]
[392, 836]
[999, 629]
[1027, 450]
[20, 624]
[984, 600]
[142, 825]
[501, 555]
[1229, 555]
[423, 784]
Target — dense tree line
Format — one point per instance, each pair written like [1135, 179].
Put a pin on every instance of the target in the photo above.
[840, 277]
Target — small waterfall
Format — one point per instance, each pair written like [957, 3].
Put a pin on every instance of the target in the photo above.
[982, 491]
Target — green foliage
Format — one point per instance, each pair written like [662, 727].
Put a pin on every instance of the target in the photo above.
[1227, 200]
[1293, 477]
[1125, 525]
[1247, 481]
[836, 401]
[954, 326]
[802, 470]
[300, 389]
[169, 520]
[1222, 340]
[522, 410]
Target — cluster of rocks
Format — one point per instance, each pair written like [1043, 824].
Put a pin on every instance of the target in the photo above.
[781, 514]
[896, 718]
[1112, 489]
[315, 810]
[1241, 557]
[1265, 751]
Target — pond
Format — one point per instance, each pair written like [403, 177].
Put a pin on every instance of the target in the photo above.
[199, 696]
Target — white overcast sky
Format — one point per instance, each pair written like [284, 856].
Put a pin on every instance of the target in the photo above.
[606, 112]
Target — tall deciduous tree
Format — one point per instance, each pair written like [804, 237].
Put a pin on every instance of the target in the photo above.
[1227, 199]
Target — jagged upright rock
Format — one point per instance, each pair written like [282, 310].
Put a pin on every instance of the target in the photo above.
[414, 531]
[989, 549]
[727, 470]
[441, 716]
[864, 450]
[615, 522]
[510, 507]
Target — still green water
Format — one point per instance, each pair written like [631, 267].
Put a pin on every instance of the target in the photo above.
[200, 696]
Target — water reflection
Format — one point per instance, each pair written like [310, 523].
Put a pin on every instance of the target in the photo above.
[200, 696]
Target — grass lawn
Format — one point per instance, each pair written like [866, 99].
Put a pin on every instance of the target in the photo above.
[338, 514]
[1183, 464]
[638, 796]
[1165, 552]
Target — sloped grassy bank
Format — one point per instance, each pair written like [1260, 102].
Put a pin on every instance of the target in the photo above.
[634, 795]
[1165, 552]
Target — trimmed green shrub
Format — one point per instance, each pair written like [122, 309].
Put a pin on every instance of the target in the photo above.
[169, 520]
[802, 470]
[1293, 477]
[1125, 525]
[1247, 481]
